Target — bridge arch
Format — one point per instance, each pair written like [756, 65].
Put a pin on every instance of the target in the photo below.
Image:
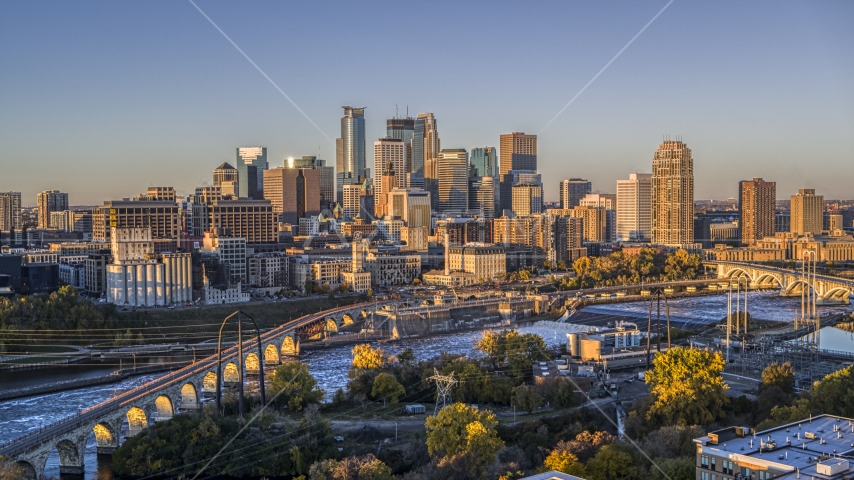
[209, 382]
[190, 397]
[331, 325]
[737, 272]
[764, 277]
[70, 459]
[137, 420]
[252, 364]
[796, 287]
[289, 346]
[230, 374]
[106, 438]
[347, 319]
[271, 355]
[164, 408]
[27, 470]
[838, 294]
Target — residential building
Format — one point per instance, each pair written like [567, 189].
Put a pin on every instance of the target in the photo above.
[293, 192]
[389, 156]
[73, 274]
[162, 194]
[162, 217]
[484, 262]
[253, 220]
[227, 295]
[453, 181]
[634, 208]
[527, 199]
[673, 194]
[595, 221]
[352, 201]
[818, 447]
[226, 178]
[572, 191]
[59, 220]
[267, 269]
[567, 239]
[230, 251]
[50, 201]
[608, 201]
[415, 238]
[251, 163]
[757, 200]
[137, 277]
[387, 268]
[388, 229]
[807, 212]
[10, 211]
[518, 151]
[95, 267]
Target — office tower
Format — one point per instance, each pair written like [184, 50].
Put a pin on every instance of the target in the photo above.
[10, 211]
[402, 129]
[411, 205]
[757, 201]
[158, 194]
[634, 208]
[453, 181]
[326, 177]
[293, 192]
[384, 185]
[251, 163]
[673, 194]
[807, 212]
[482, 196]
[483, 162]
[253, 220]
[226, 178]
[50, 201]
[526, 199]
[163, 218]
[425, 143]
[350, 148]
[389, 155]
[517, 152]
[572, 191]
[351, 201]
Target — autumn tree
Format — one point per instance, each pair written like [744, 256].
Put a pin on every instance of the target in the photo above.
[687, 387]
[834, 394]
[366, 357]
[613, 462]
[586, 444]
[460, 432]
[563, 461]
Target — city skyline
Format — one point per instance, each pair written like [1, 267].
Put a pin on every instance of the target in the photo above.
[751, 105]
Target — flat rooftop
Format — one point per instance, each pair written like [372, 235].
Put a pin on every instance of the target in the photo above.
[795, 446]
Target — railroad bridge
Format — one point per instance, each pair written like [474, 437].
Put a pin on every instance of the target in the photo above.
[181, 391]
[829, 290]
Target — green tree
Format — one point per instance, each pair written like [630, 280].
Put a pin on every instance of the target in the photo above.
[386, 386]
[779, 375]
[613, 462]
[563, 394]
[294, 386]
[679, 468]
[526, 397]
[834, 394]
[687, 387]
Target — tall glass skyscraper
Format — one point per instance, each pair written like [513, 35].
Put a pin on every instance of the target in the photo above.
[350, 148]
[251, 163]
[402, 129]
[482, 162]
[425, 142]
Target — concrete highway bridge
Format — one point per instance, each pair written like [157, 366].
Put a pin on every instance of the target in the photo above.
[179, 391]
[829, 290]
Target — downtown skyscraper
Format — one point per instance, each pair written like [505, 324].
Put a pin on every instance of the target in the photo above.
[350, 149]
[673, 194]
[251, 163]
[425, 154]
[572, 191]
[402, 129]
[518, 152]
[634, 208]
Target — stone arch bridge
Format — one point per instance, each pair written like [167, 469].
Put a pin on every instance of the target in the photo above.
[160, 399]
[829, 290]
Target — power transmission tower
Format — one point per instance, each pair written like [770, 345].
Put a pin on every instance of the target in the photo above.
[443, 389]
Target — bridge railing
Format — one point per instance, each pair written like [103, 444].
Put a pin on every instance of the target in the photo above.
[128, 397]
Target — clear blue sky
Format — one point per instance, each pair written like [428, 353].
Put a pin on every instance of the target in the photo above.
[103, 99]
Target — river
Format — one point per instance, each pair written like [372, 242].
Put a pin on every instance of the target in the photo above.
[330, 366]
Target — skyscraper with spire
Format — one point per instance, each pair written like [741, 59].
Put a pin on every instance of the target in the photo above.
[673, 194]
